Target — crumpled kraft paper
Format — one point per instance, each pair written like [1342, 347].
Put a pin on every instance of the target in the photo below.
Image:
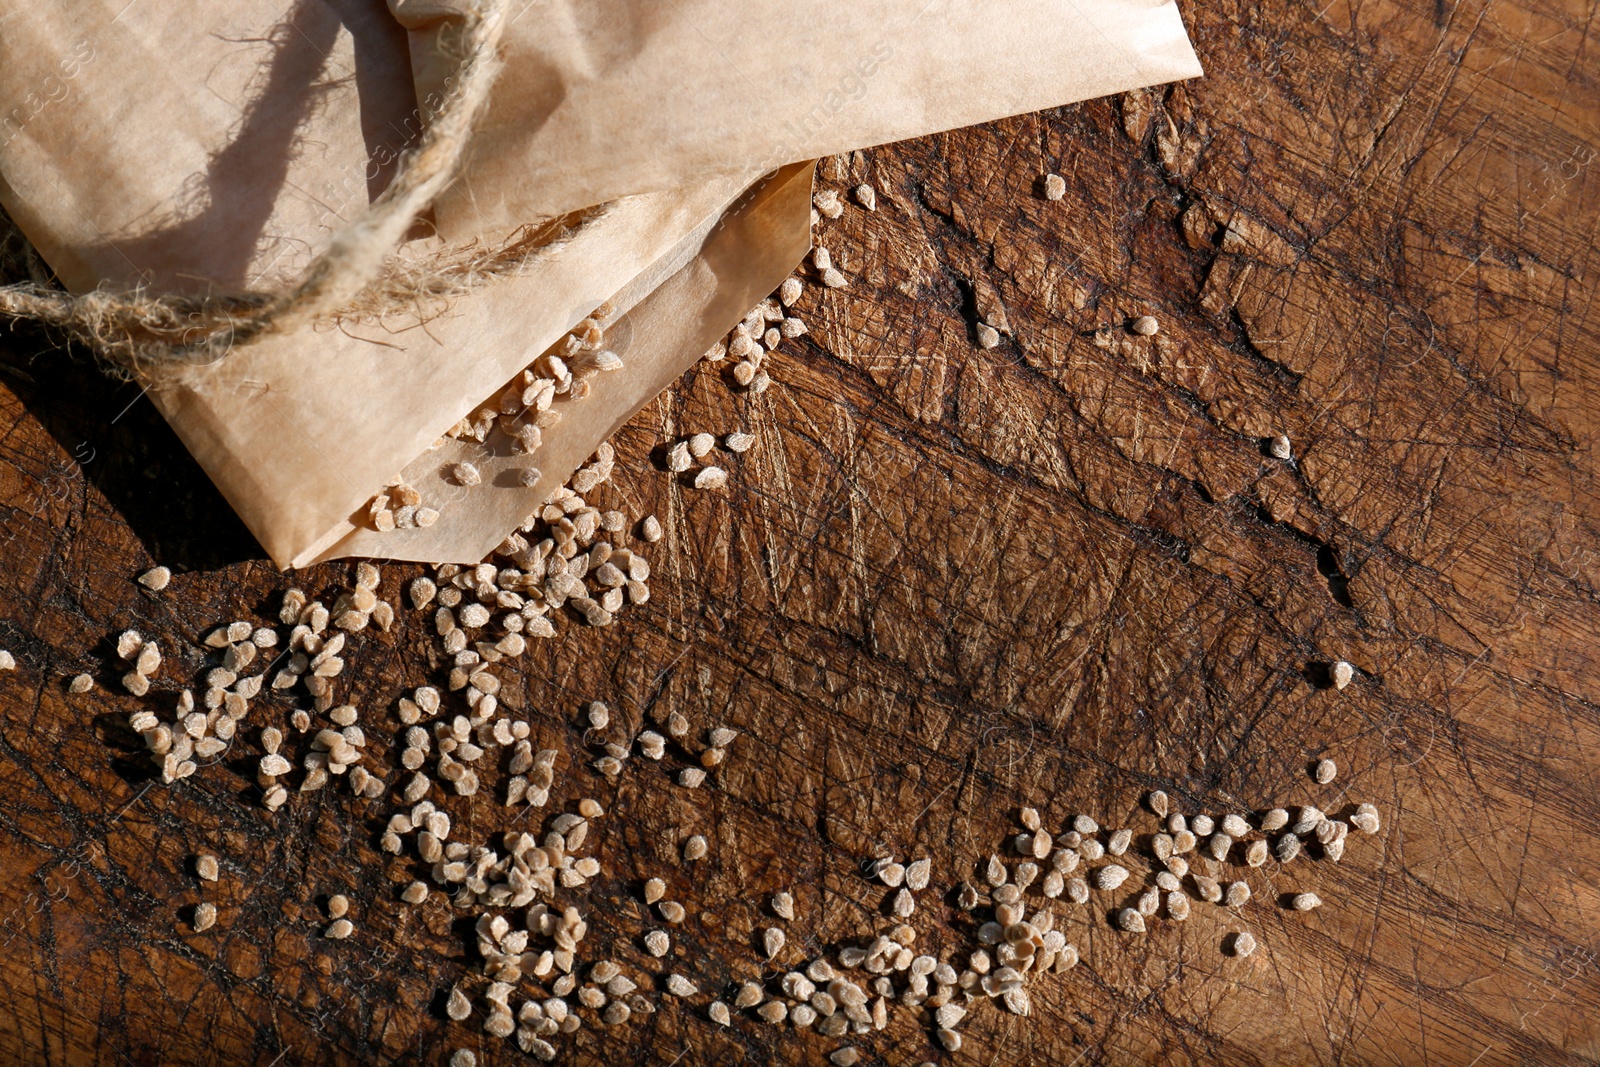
[606, 98]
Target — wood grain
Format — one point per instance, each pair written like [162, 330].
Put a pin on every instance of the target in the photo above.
[950, 581]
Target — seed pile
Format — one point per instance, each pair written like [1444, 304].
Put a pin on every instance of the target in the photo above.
[683, 456]
[759, 334]
[400, 507]
[1014, 903]
[514, 422]
[567, 554]
[439, 754]
[1016, 940]
[235, 670]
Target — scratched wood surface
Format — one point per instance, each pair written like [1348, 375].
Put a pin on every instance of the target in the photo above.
[950, 581]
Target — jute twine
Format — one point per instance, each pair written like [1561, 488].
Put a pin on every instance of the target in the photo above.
[151, 337]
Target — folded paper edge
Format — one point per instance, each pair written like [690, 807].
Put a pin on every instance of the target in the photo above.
[779, 203]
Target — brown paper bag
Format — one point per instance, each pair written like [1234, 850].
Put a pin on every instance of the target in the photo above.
[231, 170]
[606, 98]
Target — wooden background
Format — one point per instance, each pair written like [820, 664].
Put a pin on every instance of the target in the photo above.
[950, 581]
